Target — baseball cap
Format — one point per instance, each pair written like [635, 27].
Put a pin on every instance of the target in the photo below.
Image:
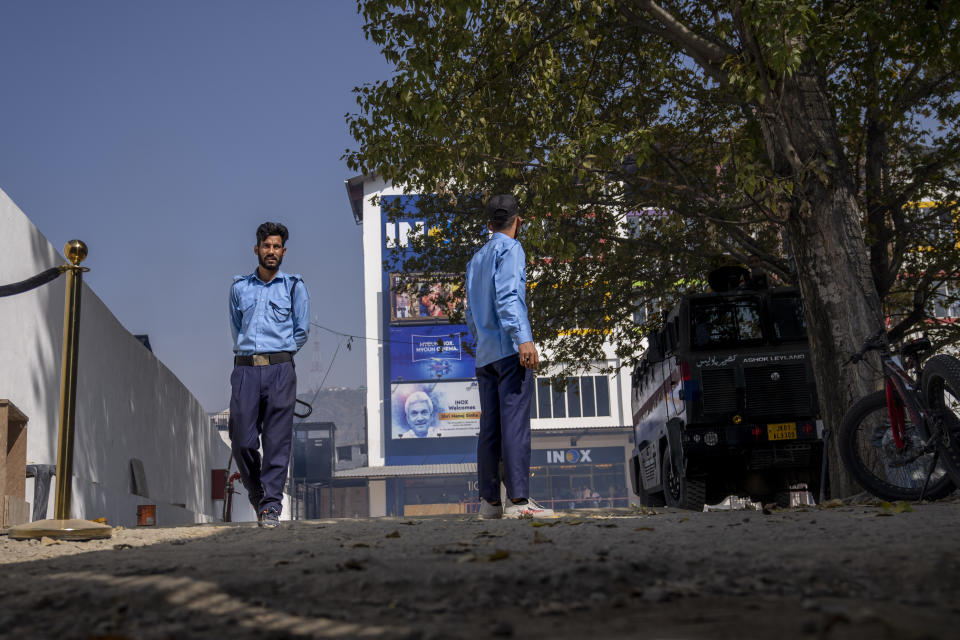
[501, 208]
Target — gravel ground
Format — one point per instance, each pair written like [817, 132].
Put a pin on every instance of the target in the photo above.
[851, 571]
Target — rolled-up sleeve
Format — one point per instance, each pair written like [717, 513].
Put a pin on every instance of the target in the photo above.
[301, 315]
[509, 284]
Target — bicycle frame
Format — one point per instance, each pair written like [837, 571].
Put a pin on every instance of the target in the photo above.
[901, 392]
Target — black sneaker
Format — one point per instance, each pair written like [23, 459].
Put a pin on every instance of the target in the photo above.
[268, 518]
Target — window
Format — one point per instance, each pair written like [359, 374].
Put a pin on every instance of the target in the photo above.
[544, 402]
[344, 453]
[715, 323]
[573, 397]
[786, 316]
[583, 397]
[946, 303]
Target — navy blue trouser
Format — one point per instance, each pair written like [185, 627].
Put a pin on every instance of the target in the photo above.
[506, 389]
[261, 408]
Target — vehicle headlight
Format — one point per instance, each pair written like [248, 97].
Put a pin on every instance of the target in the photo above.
[711, 438]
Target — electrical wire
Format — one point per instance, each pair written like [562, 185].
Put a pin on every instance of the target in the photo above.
[383, 340]
[324, 379]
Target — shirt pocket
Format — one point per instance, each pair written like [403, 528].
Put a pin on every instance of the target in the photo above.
[280, 305]
[248, 308]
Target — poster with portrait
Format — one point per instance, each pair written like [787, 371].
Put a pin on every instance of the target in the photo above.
[435, 409]
[431, 352]
[418, 298]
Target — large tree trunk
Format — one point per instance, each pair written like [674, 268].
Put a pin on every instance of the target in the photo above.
[825, 235]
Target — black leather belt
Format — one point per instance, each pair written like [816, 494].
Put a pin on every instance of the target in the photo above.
[262, 359]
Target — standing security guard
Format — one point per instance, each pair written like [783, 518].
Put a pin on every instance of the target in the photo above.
[269, 315]
[496, 314]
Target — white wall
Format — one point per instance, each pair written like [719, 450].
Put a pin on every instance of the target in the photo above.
[129, 405]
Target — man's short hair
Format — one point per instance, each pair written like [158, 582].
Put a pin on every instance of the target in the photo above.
[418, 396]
[268, 229]
[501, 210]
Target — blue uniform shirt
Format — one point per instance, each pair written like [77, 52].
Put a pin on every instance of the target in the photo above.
[265, 318]
[496, 299]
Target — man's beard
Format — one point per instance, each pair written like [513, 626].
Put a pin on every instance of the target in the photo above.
[268, 267]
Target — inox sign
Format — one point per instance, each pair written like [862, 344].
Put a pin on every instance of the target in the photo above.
[568, 456]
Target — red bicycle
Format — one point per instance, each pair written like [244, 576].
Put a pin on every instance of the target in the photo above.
[903, 442]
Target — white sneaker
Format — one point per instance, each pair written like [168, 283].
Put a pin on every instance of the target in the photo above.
[490, 511]
[528, 509]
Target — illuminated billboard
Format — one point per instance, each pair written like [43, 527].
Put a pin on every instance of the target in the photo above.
[431, 352]
[423, 297]
[435, 409]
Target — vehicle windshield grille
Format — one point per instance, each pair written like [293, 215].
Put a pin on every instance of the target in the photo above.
[779, 389]
[719, 391]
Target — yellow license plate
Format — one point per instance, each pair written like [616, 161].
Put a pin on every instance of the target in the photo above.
[782, 431]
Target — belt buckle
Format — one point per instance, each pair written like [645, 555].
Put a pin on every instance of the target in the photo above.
[260, 360]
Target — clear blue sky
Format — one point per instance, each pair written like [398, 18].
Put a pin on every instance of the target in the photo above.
[162, 133]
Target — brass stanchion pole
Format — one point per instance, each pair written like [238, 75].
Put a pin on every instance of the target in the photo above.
[75, 251]
[62, 526]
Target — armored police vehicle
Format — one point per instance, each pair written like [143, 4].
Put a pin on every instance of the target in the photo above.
[724, 401]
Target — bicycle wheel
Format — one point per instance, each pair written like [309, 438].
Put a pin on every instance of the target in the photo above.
[869, 452]
[941, 388]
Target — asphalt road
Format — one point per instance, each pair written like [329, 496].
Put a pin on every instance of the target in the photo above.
[859, 571]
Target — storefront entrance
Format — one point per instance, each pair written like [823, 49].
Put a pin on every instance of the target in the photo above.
[579, 478]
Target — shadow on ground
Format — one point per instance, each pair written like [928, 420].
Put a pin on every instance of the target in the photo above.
[851, 572]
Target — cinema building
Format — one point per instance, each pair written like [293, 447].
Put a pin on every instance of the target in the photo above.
[417, 365]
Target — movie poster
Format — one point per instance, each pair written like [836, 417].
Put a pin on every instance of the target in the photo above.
[423, 298]
[431, 352]
[435, 409]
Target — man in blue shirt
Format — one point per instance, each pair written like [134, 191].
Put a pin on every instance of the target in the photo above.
[270, 319]
[506, 359]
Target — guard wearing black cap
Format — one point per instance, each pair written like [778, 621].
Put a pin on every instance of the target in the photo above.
[506, 359]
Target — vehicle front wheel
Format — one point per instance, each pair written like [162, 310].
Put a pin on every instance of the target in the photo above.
[680, 491]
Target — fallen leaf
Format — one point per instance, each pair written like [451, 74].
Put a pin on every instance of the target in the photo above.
[499, 554]
[467, 557]
[901, 506]
[352, 564]
[360, 545]
[832, 504]
[574, 523]
[539, 538]
[395, 534]
[100, 520]
[47, 541]
[644, 529]
[541, 523]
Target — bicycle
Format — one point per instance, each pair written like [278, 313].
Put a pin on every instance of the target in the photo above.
[903, 442]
